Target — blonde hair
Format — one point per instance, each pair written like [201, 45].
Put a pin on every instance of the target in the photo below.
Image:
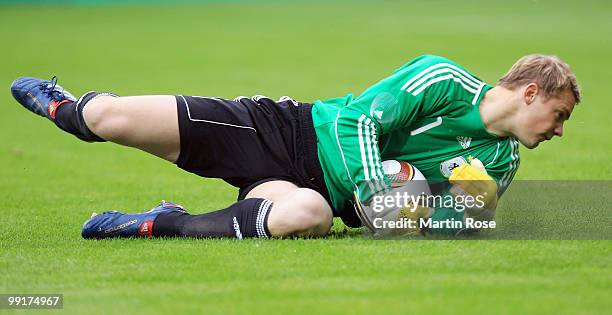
[550, 73]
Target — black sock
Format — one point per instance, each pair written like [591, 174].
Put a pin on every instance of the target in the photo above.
[69, 117]
[246, 218]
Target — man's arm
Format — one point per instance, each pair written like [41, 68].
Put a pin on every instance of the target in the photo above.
[421, 89]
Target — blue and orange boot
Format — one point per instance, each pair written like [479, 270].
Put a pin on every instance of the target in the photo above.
[41, 97]
[119, 224]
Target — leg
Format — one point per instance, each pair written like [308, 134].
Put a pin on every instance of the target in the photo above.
[149, 123]
[245, 218]
[293, 211]
[279, 208]
[296, 211]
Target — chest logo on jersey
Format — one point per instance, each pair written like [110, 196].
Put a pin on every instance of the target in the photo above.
[447, 167]
[464, 141]
[382, 102]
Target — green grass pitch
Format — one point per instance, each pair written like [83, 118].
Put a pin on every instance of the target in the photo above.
[50, 183]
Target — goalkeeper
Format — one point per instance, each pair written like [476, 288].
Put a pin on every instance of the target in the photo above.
[298, 165]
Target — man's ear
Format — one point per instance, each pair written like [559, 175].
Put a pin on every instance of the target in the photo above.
[530, 92]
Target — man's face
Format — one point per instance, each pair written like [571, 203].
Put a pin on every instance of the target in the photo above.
[542, 117]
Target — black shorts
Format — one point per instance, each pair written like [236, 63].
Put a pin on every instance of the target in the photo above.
[249, 141]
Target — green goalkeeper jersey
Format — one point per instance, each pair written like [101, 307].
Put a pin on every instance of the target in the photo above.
[426, 113]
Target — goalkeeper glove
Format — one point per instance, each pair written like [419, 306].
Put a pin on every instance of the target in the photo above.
[473, 179]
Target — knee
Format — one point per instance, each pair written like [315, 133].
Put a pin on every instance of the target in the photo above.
[305, 213]
[103, 117]
[310, 222]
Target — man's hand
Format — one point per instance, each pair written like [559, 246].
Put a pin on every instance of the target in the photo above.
[416, 214]
[473, 179]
